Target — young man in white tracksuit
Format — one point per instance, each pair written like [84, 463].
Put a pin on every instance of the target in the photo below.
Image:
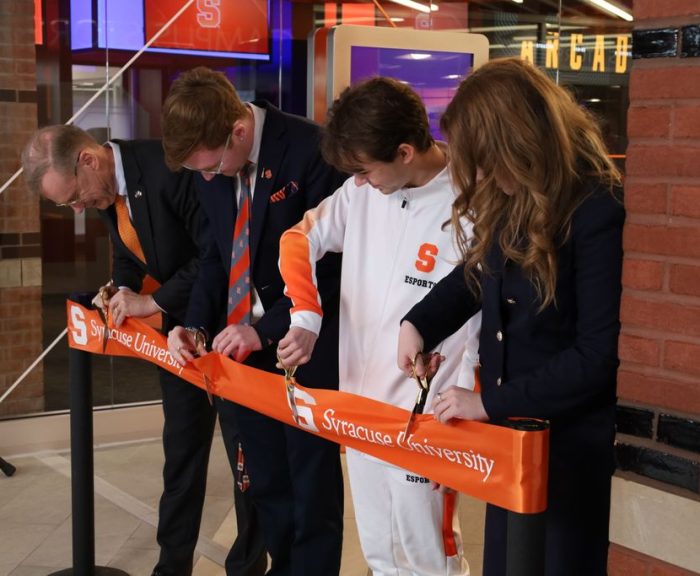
[387, 220]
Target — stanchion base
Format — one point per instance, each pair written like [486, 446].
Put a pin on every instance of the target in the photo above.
[98, 571]
[7, 468]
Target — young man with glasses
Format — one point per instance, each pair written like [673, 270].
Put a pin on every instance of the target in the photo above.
[258, 171]
[155, 223]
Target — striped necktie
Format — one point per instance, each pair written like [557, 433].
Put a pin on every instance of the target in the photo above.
[126, 229]
[239, 304]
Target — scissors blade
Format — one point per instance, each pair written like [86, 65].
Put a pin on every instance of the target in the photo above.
[409, 424]
[422, 395]
[207, 383]
[423, 388]
[103, 317]
[292, 401]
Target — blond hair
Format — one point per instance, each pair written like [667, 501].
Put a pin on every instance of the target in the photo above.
[199, 112]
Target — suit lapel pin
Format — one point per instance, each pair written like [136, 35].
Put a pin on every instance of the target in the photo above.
[138, 193]
[266, 174]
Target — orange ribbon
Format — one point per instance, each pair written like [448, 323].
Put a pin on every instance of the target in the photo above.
[499, 465]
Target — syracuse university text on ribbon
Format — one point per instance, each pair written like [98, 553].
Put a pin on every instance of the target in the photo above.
[497, 464]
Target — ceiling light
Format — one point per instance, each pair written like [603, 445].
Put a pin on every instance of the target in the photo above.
[414, 56]
[612, 9]
[417, 6]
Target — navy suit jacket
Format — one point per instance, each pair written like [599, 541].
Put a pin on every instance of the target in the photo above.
[167, 219]
[560, 363]
[291, 177]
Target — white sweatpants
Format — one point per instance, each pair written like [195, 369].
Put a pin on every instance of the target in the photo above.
[400, 521]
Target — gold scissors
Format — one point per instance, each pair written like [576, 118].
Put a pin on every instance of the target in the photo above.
[423, 389]
[105, 293]
[290, 382]
[200, 344]
[207, 383]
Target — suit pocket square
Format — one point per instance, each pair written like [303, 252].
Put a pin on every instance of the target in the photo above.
[289, 189]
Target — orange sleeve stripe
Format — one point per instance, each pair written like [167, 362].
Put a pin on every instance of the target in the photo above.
[296, 268]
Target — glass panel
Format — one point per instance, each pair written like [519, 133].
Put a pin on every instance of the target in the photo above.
[263, 47]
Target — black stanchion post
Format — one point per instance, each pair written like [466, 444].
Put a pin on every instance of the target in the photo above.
[82, 463]
[526, 532]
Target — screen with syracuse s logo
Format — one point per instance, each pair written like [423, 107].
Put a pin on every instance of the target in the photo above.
[226, 28]
[433, 63]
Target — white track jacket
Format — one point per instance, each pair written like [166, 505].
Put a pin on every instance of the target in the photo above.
[394, 250]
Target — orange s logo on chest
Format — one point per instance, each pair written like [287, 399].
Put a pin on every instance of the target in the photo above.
[426, 257]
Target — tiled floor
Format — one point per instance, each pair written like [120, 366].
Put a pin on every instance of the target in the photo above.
[35, 515]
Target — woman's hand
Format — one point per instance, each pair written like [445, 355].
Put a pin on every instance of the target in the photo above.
[458, 403]
[410, 345]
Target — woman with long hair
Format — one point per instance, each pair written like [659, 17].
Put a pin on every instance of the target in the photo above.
[544, 267]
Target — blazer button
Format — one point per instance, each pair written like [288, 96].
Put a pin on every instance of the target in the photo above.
[510, 300]
[498, 381]
[499, 336]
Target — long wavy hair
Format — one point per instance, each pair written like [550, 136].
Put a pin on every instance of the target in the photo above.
[527, 135]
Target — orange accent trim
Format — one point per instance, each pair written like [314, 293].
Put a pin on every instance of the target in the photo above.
[502, 466]
[448, 534]
[357, 14]
[330, 13]
[295, 267]
[38, 23]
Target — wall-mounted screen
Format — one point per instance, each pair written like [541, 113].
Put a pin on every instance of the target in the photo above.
[433, 75]
[219, 28]
[433, 63]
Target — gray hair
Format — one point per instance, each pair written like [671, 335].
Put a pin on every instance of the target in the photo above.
[53, 147]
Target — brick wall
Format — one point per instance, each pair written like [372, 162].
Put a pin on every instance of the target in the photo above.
[20, 252]
[659, 381]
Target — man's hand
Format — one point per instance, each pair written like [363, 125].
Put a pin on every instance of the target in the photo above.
[182, 345]
[296, 347]
[237, 341]
[101, 299]
[459, 403]
[126, 303]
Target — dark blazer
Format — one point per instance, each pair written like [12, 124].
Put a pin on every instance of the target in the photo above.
[167, 219]
[291, 178]
[166, 216]
[295, 478]
[559, 364]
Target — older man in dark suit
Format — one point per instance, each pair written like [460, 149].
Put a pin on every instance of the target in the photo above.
[259, 170]
[155, 224]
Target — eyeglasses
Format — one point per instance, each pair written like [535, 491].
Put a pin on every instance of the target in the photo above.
[221, 163]
[76, 195]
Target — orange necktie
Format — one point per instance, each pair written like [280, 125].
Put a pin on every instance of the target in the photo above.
[127, 232]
